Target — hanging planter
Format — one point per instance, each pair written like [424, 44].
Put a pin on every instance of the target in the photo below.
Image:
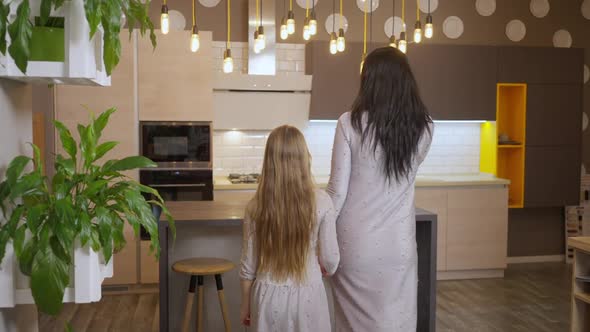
[47, 41]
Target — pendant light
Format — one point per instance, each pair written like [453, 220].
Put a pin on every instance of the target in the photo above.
[364, 38]
[291, 19]
[428, 27]
[418, 25]
[261, 38]
[341, 42]
[306, 33]
[283, 30]
[257, 46]
[333, 43]
[392, 42]
[195, 42]
[313, 22]
[164, 18]
[228, 62]
[403, 43]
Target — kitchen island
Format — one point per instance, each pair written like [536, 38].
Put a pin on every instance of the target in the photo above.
[213, 229]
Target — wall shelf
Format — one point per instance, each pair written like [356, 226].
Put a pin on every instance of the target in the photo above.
[507, 161]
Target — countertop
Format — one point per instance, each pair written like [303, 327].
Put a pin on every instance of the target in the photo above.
[227, 208]
[459, 180]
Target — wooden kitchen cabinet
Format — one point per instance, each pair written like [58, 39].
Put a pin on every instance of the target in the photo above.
[456, 82]
[175, 84]
[553, 115]
[69, 109]
[149, 272]
[435, 200]
[552, 176]
[540, 65]
[477, 228]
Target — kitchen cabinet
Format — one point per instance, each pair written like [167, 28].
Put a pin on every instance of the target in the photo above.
[540, 65]
[175, 84]
[435, 201]
[552, 176]
[335, 79]
[148, 272]
[554, 114]
[456, 82]
[123, 127]
[477, 229]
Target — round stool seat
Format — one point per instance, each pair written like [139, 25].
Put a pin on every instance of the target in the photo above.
[203, 266]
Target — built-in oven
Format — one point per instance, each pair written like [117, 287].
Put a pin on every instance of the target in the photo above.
[180, 184]
[177, 144]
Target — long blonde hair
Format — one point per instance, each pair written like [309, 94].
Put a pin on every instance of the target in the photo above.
[283, 209]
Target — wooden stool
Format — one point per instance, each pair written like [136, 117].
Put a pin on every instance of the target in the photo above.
[197, 268]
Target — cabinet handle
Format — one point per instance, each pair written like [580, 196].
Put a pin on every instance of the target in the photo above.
[177, 185]
[586, 194]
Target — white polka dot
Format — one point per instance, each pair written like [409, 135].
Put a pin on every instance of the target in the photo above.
[453, 27]
[586, 74]
[365, 5]
[485, 7]
[209, 3]
[562, 38]
[308, 3]
[539, 8]
[586, 9]
[388, 24]
[583, 170]
[515, 30]
[584, 121]
[336, 19]
[424, 5]
[177, 20]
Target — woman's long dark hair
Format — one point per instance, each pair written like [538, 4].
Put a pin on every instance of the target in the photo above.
[396, 116]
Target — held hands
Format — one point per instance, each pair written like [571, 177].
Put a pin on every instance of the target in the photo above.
[245, 314]
[324, 272]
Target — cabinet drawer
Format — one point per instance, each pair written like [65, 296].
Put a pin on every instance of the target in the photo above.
[477, 228]
[552, 176]
[435, 201]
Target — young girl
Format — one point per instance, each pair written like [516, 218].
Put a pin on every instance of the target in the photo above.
[288, 224]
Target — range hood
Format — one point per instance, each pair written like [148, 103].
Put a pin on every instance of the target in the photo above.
[261, 99]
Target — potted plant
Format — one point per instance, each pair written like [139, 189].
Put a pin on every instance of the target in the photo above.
[47, 40]
[83, 204]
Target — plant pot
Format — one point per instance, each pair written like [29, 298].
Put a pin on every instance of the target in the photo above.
[47, 44]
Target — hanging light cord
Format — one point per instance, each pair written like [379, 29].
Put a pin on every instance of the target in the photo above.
[228, 18]
[164, 2]
[428, 7]
[417, 10]
[365, 32]
[290, 5]
[306, 8]
[194, 19]
[403, 15]
[341, 14]
[333, 16]
[371, 25]
[393, 19]
[285, 6]
[257, 19]
[260, 16]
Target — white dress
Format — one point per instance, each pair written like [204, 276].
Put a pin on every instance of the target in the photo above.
[375, 286]
[290, 306]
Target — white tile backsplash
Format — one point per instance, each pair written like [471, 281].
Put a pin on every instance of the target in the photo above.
[290, 57]
[455, 149]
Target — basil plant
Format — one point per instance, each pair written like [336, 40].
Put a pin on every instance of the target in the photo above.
[85, 203]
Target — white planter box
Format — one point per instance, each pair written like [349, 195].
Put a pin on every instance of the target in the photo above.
[83, 63]
[85, 279]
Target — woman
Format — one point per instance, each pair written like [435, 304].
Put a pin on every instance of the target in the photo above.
[289, 225]
[378, 147]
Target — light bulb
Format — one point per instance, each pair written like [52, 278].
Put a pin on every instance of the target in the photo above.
[428, 28]
[195, 43]
[291, 23]
[228, 62]
[341, 42]
[417, 32]
[333, 44]
[402, 43]
[313, 24]
[164, 20]
[284, 33]
[306, 33]
[261, 38]
[392, 41]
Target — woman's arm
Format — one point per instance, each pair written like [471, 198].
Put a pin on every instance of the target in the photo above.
[328, 242]
[249, 265]
[341, 165]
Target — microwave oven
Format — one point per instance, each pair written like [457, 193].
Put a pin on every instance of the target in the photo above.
[177, 145]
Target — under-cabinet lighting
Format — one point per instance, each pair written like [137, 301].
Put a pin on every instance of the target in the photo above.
[459, 121]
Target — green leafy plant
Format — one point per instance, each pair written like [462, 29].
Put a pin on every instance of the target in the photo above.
[103, 13]
[84, 203]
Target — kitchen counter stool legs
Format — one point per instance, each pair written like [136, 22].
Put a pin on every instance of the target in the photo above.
[198, 268]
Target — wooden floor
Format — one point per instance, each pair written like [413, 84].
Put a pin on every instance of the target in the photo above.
[532, 297]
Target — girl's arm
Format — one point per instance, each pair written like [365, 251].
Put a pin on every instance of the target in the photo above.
[341, 165]
[328, 242]
[249, 265]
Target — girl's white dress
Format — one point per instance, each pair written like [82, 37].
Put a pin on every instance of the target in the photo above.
[290, 306]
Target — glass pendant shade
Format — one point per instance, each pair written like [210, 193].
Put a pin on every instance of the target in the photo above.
[341, 42]
[228, 62]
[165, 20]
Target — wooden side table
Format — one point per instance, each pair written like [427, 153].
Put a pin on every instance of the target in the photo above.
[580, 288]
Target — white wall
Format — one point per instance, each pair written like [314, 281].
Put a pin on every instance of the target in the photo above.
[16, 130]
[455, 149]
